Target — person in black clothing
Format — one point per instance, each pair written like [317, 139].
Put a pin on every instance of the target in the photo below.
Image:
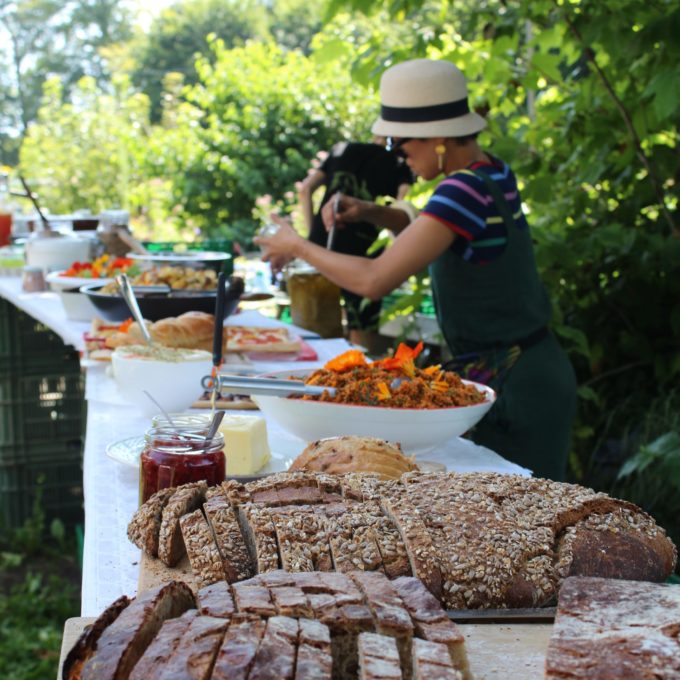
[364, 171]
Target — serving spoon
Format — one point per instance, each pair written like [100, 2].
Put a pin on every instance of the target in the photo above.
[129, 297]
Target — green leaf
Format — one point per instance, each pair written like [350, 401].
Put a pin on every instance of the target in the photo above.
[548, 64]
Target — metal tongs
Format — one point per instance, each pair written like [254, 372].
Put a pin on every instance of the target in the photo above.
[272, 387]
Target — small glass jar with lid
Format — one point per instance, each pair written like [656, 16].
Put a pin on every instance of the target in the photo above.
[178, 455]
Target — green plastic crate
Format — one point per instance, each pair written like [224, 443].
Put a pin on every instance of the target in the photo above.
[26, 345]
[61, 485]
[39, 409]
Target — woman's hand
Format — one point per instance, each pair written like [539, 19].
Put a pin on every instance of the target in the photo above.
[279, 249]
[341, 209]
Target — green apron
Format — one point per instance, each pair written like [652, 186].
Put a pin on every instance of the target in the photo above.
[493, 317]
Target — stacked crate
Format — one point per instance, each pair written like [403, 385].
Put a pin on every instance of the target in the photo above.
[41, 421]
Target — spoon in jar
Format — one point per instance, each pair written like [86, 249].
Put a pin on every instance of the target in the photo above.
[166, 415]
[214, 426]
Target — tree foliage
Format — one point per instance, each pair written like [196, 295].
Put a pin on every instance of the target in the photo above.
[582, 99]
[264, 114]
[177, 36]
[45, 38]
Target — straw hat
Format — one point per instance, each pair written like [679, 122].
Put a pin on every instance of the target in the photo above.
[424, 98]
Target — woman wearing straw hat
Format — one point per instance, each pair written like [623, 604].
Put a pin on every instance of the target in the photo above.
[473, 236]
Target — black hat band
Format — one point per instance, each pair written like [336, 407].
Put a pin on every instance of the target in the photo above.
[425, 114]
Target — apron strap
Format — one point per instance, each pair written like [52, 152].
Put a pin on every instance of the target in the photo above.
[498, 198]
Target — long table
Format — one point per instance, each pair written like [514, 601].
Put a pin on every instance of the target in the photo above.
[110, 561]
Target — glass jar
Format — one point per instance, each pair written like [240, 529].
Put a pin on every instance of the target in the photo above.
[183, 420]
[111, 224]
[178, 455]
[314, 302]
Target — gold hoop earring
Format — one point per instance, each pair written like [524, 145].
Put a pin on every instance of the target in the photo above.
[440, 150]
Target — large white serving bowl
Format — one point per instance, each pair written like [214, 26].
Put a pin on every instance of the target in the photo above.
[76, 305]
[417, 430]
[174, 383]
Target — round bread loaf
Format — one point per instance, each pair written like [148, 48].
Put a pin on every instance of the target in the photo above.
[339, 455]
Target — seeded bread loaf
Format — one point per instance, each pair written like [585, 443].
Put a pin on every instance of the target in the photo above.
[476, 540]
[340, 455]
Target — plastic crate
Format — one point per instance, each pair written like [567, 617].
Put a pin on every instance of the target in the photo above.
[60, 483]
[26, 345]
[46, 408]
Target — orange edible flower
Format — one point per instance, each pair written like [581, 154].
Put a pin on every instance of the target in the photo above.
[402, 359]
[125, 326]
[431, 370]
[352, 358]
[383, 391]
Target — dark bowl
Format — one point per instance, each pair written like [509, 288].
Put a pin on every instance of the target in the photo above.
[158, 305]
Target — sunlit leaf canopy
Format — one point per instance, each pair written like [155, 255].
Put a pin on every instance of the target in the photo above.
[582, 99]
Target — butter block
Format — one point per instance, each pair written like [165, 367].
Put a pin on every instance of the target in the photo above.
[246, 447]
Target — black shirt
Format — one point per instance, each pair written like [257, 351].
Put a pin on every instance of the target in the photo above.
[364, 171]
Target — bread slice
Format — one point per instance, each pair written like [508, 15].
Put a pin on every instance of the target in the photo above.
[259, 535]
[389, 541]
[422, 554]
[431, 661]
[124, 641]
[86, 644]
[352, 542]
[199, 542]
[291, 601]
[185, 500]
[228, 539]
[389, 614]
[378, 658]
[216, 600]
[275, 658]
[145, 524]
[162, 646]
[302, 540]
[251, 598]
[239, 647]
[195, 654]
[610, 628]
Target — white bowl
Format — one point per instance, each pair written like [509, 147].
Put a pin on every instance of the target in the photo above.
[173, 381]
[417, 430]
[76, 305]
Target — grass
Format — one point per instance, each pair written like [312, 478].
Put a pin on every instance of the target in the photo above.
[39, 589]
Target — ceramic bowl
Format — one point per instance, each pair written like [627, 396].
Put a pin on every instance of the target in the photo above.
[171, 376]
[77, 306]
[417, 430]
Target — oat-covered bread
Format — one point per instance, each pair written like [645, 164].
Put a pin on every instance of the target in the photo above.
[340, 455]
[607, 628]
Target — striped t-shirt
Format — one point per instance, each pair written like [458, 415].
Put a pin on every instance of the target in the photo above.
[463, 203]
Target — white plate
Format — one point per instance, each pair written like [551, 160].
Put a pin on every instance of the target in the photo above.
[127, 452]
[177, 258]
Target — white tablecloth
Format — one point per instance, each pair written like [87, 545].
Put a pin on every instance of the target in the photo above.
[110, 561]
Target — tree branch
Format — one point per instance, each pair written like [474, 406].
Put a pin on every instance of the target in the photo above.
[651, 172]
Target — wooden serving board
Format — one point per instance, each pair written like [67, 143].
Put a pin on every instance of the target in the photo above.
[496, 652]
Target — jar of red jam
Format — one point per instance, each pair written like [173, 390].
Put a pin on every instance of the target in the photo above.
[178, 455]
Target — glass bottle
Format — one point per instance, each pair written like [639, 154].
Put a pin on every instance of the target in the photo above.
[5, 211]
[173, 456]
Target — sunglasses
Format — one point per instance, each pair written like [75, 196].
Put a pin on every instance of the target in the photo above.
[395, 145]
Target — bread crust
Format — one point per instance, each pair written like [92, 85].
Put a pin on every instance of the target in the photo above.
[341, 455]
